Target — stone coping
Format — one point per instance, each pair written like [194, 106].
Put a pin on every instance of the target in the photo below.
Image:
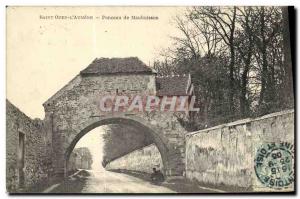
[242, 121]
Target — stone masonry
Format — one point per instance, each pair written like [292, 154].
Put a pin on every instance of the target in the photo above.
[225, 155]
[120, 140]
[142, 160]
[219, 156]
[222, 156]
[73, 111]
[37, 161]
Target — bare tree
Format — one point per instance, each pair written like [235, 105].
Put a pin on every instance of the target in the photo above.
[245, 46]
[235, 56]
[223, 21]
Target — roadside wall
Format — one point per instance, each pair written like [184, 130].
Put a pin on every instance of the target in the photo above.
[120, 140]
[37, 164]
[226, 155]
[139, 160]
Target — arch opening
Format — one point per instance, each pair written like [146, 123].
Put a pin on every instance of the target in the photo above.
[151, 137]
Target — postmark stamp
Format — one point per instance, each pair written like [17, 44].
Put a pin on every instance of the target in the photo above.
[274, 164]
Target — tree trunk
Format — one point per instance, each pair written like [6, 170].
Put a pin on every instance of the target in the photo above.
[263, 49]
[243, 100]
[231, 66]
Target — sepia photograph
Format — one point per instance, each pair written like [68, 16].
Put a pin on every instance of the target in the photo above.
[150, 100]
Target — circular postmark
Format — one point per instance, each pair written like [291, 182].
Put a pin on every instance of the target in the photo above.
[274, 165]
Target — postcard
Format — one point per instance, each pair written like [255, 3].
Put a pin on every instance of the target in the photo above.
[150, 100]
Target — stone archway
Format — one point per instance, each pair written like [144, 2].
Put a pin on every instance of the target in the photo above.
[74, 110]
[65, 139]
[139, 125]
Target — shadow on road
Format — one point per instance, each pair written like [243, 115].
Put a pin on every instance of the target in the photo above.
[90, 183]
[177, 185]
[73, 184]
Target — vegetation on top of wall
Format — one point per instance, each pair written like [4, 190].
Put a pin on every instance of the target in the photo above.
[120, 140]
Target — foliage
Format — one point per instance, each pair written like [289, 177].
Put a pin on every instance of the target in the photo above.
[236, 58]
[120, 140]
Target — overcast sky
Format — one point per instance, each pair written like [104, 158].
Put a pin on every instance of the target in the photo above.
[93, 140]
[44, 55]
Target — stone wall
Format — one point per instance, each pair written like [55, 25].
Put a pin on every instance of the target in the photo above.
[74, 110]
[72, 163]
[120, 140]
[37, 162]
[142, 160]
[225, 155]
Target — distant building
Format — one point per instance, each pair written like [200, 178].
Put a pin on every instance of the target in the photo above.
[80, 158]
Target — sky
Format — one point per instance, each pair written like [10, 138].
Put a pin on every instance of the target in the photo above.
[43, 55]
[93, 140]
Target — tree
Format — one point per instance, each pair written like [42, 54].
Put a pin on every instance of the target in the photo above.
[223, 21]
[245, 46]
[238, 58]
